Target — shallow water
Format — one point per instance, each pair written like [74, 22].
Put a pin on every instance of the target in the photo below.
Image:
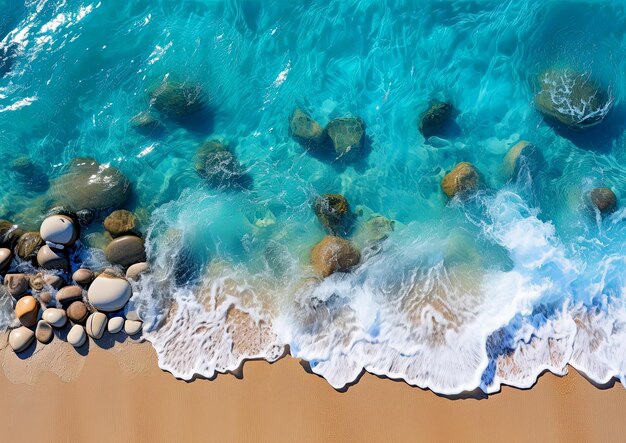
[497, 288]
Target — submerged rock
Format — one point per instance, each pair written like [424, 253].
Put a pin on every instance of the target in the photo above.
[21, 338]
[89, 185]
[434, 118]
[217, 164]
[126, 250]
[28, 245]
[306, 131]
[120, 222]
[135, 271]
[144, 122]
[31, 177]
[572, 98]
[334, 254]
[603, 199]
[347, 136]
[463, 179]
[333, 212]
[9, 234]
[521, 154]
[177, 100]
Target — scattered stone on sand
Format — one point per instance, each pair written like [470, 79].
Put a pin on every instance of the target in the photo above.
[572, 99]
[334, 254]
[109, 294]
[69, 294]
[9, 234]
[77, 312]
[96, 325]
[120, 222]
[217, 164]
[21, 338]
[54, 281]
[49, 258]
[28, 245]
[463, 179]
[77, 336]
[306, 131]
[16, 284]
[135, 271]
[177, 100]
[433, 120]
[58, 230]
[83, 277]
[333, 212]
[36, 282]
[115, 325]
[89, 185]
[604, 200]
[132, 327]
[126, 250]
[27, 310]
[56, 317]
[5, 258]
[347, 136]
[43, 332]
[521, 154]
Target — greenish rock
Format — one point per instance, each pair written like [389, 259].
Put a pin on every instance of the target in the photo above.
[306, 131]
[572, 99]
[333, 212]
[89, 185]
[347, 136]
[9, 234]
[28, 245]
[433, 120]
[177, 100]
[217, 164]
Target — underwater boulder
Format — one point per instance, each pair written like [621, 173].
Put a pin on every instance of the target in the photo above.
[334, 254]
[29, 175]
[89, 185]
[333, 212]
[347, 136]
[462, 179]
[145, 121]
[217, 164]
[434, 118]
[572, 99]
[521, 154]
[177, 100]
[306, 131]
[603, 199]
[9, 234]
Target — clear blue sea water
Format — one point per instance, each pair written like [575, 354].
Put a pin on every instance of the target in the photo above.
[463, 294]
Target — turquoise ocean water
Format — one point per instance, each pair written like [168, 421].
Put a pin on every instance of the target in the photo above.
[519, 279]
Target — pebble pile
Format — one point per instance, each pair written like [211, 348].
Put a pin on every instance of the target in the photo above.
[57, 296]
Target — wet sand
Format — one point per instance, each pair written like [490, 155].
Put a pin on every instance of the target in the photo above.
[120, 395]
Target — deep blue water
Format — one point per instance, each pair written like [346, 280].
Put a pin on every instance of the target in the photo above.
[519, 278]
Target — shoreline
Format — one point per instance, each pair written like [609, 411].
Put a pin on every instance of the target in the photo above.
[120, 394]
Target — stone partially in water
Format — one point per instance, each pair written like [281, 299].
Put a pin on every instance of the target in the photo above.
[306, 131]
[26, 310]
[333, 212]
[49, 258]
[463, 179]
[217, 164]
[89, 185]
[177, 100]
[434, 118]
[135, 271]
[109, 294]
[28, 245]
[603, 199]
[522, 154]
[5, 258]
[115, 325]
[59, 230]
[144, 122]
[347, 136]
[16, 284]
[572, 98]
[21, 338]
[9, 234]
[126, 251]
[334, 254]
[120, 222]
[31, 177]
[69, 294]
[132, 327]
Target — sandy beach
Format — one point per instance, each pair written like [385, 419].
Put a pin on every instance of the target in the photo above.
[121, 395]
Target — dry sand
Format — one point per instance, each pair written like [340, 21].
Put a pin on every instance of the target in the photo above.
[119, 395]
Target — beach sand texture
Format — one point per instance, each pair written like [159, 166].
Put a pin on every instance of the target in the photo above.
[120, 395]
